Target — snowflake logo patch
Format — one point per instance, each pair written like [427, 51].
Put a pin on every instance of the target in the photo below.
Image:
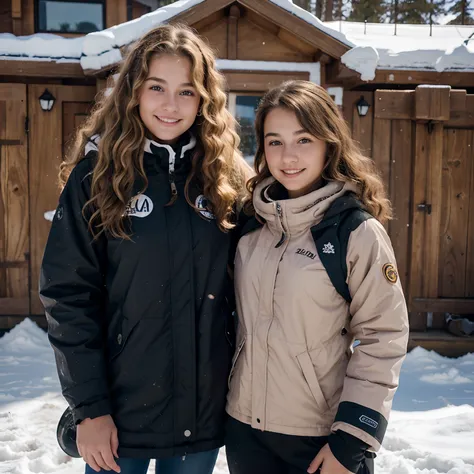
[328, 248]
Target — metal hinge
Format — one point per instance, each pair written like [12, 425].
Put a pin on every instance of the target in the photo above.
[27, 124]
[425, 207]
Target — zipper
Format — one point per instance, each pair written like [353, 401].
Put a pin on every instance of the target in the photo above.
[283, 233]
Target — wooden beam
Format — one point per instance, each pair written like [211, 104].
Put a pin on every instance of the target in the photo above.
[297, 26]
[15, 305]
[232, 29]
[432, 103]
[442, 342]
[200, 12]
[44, 69]
[444, 305]
[16, 8]
[394, 104]
[259, 81]
[462, 118]
[8, 322]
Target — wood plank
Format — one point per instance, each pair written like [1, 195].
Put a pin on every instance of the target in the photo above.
[259, 81]
[297, 43]
[77, 94]
[3, 185]
[432, 103]
[28, 17]
[455, 213]
[444, 305]
[442, 342]
[394, 104]
[297, 26]
[232, 37]
[20, 305]
[381, 146]
[457, 100]
[463, 118]
[401, 178]
[12, 91]
[470, 231]
[257, 44]
[215, 35]
[9, 322]
[16, 8]
[349, 100]
[362, 127]
[200, 12]
[45, 157]
[74, 114]
[41, 69]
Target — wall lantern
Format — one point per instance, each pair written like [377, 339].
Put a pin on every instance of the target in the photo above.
[47, 100]
[362, 106]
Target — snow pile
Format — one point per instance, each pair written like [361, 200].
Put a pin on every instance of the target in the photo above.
[363, 59]
[41, 46]
[431, 430]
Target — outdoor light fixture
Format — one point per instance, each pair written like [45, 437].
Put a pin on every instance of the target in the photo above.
[362, 106]
[47, 100]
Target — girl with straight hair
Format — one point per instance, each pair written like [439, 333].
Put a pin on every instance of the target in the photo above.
[314, 271]
[134, 276]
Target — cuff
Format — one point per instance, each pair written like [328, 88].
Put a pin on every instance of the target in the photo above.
[347, 449]
[94, 410]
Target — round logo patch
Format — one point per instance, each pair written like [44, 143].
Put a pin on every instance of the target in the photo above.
[139, 206]
[390, 273]
[202, 204]
[60, 213]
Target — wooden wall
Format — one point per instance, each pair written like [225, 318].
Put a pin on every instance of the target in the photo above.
[423, 144]
[14, 202]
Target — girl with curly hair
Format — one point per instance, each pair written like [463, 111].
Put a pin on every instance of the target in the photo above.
[314, 271]
[134, 277]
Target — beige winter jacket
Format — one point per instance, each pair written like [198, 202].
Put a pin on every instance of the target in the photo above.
[294, 371]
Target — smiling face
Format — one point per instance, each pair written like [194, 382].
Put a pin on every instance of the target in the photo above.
[168, 101]
[294, 157]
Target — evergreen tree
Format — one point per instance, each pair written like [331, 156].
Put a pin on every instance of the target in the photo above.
[372, 11]
[413, 11]
[463, 12]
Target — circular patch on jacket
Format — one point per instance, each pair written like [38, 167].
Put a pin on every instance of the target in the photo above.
[60, 213]
[390, 273]
[139, 206]
[202, 205]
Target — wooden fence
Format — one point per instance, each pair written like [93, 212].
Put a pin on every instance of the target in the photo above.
[423, 143]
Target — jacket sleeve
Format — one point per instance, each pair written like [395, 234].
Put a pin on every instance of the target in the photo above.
[72, 291]
[380, 322]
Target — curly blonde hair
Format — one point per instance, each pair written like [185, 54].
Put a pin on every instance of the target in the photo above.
[319, 116]
[217, 165]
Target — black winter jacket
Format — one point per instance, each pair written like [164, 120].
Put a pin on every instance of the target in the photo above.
[142, 330]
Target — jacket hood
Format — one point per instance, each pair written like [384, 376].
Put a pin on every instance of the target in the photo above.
[296, 215]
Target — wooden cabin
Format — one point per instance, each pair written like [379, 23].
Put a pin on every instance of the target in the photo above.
[418, 124]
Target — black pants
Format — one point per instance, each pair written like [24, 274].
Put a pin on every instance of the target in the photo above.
[251, 451]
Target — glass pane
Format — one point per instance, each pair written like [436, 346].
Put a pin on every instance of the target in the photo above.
[245, 107]
[71, 17]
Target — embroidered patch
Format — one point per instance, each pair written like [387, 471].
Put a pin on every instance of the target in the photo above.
[390, 273]
[368, 421]
[328, 248]
[139, 206]
[202, 204]
[60, 213]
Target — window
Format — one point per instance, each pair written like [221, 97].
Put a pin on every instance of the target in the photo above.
[70, 16]
[243, 107]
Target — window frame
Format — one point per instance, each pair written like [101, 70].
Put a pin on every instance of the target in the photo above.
[78, 33]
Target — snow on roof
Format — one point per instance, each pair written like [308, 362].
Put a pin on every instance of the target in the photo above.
[374, 46]
[440, 47]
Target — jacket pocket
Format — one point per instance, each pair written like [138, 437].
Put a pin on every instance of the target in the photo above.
[119, 336]
[234, 359]
[309, 374]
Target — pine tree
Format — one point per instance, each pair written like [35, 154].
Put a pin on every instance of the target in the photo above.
[413, 11]
[372, 11]
[463, 12]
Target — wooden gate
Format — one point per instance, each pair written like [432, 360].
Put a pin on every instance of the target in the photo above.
[49, 135]
[14, 203]
[423, 143]
[32, 145]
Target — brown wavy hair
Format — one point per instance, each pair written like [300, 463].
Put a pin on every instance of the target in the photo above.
[319, 116]
[217, 165]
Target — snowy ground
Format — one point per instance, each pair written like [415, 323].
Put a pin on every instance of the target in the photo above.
[431, 429]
